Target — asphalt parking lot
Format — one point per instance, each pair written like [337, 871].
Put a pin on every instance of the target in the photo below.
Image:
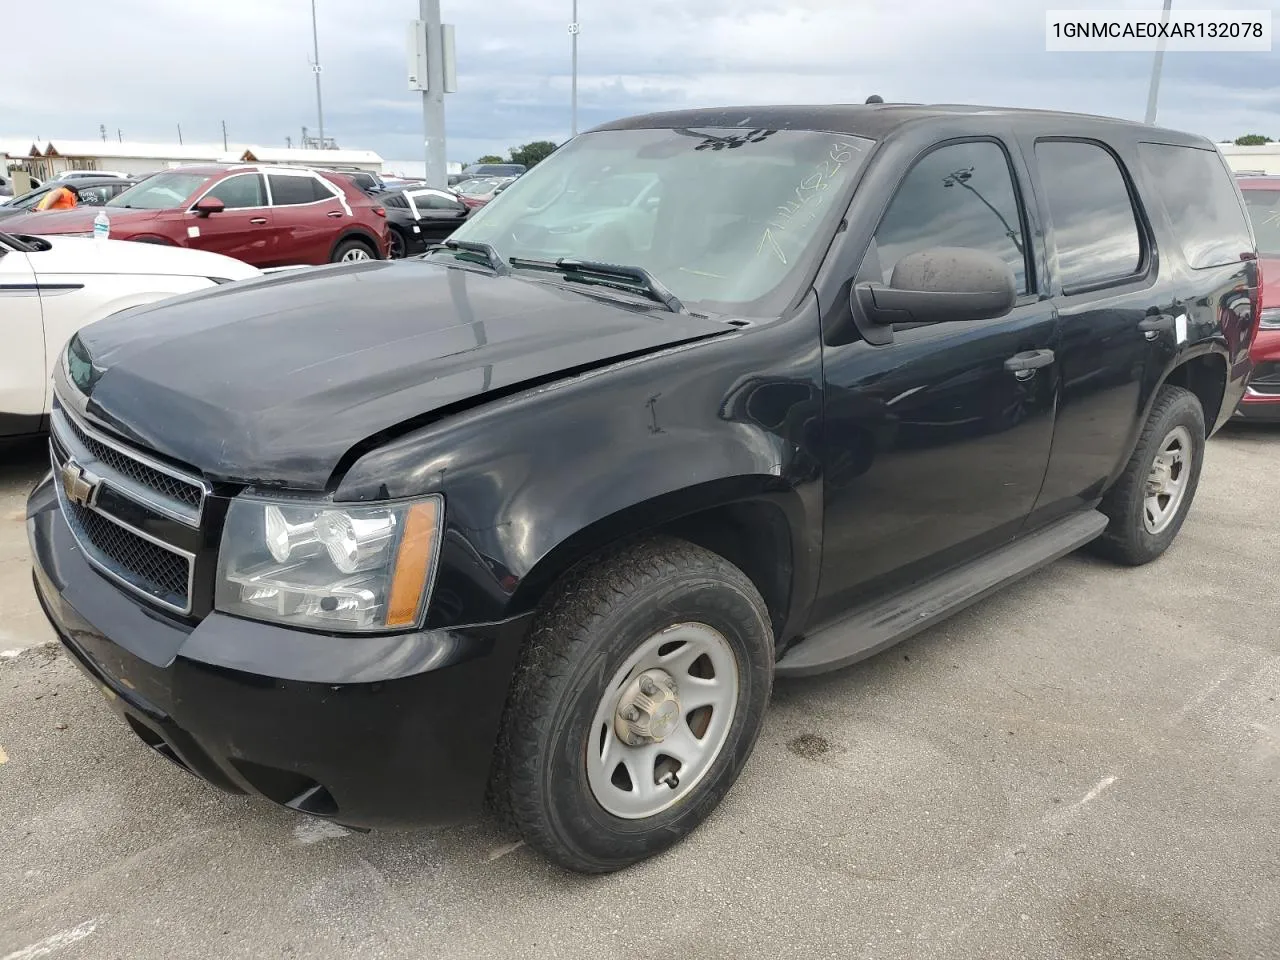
[1085, 766]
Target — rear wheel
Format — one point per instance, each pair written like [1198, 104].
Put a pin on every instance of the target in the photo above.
[1149, 502]
[639, 699]
[350, 251]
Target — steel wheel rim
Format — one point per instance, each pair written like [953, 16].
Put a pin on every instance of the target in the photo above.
[354, 254]
[702, 663]
[1167, 480]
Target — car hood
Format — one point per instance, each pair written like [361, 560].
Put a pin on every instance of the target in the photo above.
[84, 255]
[272, 381]
[75, 220]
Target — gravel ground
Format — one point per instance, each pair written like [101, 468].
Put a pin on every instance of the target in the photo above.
[1084, 766]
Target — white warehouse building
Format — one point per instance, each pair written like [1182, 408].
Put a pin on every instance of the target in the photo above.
[50, 158]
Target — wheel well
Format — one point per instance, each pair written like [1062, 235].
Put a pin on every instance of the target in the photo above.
[1206, 377]
[753, 535]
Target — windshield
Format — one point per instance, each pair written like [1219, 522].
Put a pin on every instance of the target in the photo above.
[1264, 211]
[28, 200]
[160, 192]
[723, 217]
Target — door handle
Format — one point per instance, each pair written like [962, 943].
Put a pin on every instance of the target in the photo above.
[258, 220]
[1152, 326]
[334, 213]
[1024, 365]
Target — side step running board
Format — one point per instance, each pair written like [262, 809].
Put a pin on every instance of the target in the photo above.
[881, 624]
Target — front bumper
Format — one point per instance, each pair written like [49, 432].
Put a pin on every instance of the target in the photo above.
[369, 731]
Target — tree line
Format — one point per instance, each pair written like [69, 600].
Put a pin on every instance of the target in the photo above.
[529, 154]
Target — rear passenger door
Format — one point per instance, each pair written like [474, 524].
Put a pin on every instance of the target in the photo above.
[308, 217]
[936, 445]
[1104, 278]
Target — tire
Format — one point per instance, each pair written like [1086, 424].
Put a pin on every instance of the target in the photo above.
[399, 245]
[1138, 531]
[353, 250]
[595, 623]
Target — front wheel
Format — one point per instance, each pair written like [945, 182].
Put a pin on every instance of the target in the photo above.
[1149, 502]
[639, 699]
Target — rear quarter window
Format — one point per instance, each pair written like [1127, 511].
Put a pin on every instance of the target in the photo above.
[1197, 194]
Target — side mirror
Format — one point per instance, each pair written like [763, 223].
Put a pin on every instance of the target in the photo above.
[940, 285]
[208, 205]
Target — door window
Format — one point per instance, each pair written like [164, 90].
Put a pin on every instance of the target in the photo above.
[240, 191]
[961, 195]
[288, 190]
[1095, 227]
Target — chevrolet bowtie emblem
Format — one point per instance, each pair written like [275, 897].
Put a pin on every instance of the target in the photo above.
[80, 486]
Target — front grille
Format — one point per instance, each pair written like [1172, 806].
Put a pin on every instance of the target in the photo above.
[137, 520]
[147, 567]
[164, 484]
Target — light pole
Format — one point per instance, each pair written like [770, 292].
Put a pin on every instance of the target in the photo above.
[435, 159]
[315, 68]
[1154, 92]
[573, 39]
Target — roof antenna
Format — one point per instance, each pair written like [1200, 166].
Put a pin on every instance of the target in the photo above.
[875, 98]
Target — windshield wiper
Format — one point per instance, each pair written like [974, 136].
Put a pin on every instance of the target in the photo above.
[477, 246]
[596, 271]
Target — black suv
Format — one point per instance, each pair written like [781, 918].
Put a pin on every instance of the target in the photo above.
[708, 398]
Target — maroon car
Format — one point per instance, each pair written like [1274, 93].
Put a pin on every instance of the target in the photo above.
[264, 215]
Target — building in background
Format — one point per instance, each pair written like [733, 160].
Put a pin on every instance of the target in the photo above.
[46, 159]
[1263, 160]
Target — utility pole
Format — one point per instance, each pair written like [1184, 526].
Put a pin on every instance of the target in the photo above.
[574, 29]
[224, 136]
[315, 67]
[102, 130]
[179, 134]
[437, 165]
[119, 135]
[1154, 92]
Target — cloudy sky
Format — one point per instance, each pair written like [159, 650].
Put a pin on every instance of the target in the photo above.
[144, 66]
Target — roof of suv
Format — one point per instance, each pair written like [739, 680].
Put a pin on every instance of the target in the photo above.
[873, 121]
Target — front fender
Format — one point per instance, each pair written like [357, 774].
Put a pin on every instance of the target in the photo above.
[536, 480]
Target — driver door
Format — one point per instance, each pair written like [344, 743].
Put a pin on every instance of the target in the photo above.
[243, 229]
[937, 444]
[22, 362]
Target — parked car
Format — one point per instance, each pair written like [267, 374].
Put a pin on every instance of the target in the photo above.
[476, 193]
[1262, 398]
[89, 192]
[421, 217]
[264, 215]
[541, 515]
[486, 170]
[89, 174]
[6, 185]
[370, 183]
[51, 287]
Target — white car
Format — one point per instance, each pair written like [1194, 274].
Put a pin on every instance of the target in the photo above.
[50, 287]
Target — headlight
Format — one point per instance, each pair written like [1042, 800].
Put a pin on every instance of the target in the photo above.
[1270, 318]
[326, 565]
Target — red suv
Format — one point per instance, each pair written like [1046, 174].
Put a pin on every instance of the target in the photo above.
[1262, 397]
[264, 215]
